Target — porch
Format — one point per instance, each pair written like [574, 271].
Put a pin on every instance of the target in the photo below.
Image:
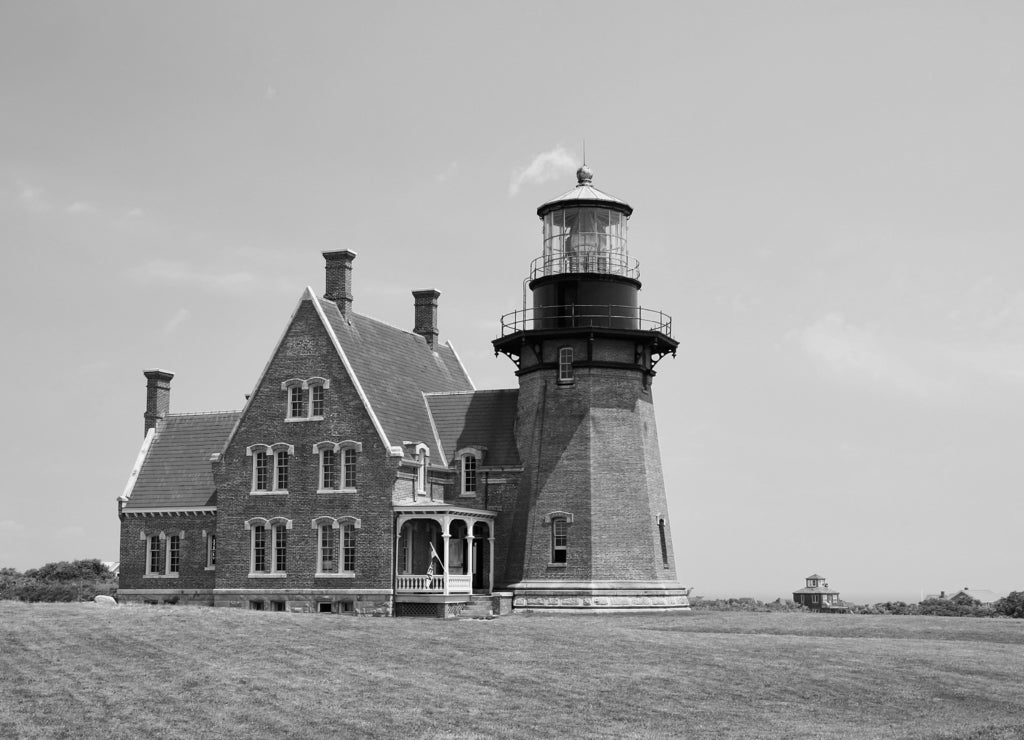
[444, 555]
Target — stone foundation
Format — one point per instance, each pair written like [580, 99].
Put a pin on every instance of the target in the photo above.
[357, 602]
[600, 596]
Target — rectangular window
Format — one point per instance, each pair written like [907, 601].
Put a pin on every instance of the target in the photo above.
[565, 370]
[348, 549]
[664, 543]
[259, 549]
[173, 554]
[559, 540]
[329, 469]
[469, 474]
[296, 405]
[316, 400]
[211, 551]
[282, 470]
[154, 554]
[280, 549]
[328, 553]
[422, 460]
[261, 464]
[350, 467]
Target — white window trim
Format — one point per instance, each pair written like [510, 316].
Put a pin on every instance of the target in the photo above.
[337, 525]
[210, 538]
[550, 519]
[271, 527]
[422, 455]
[271, 450]
[339, 450]
[478, 454]
[571, 378]
[306, 385]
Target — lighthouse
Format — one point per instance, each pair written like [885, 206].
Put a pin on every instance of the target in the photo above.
[589, 526]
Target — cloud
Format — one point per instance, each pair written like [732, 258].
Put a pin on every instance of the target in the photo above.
[856, 354]
[271, 92]
[135, 213]
[72, 530]
[448, 172]
[80, 207]
[9, 525]
[176, 320]
[544, 167]
[33, 199]
[176, 273]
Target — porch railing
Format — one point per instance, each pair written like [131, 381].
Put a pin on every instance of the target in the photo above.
[434, 584]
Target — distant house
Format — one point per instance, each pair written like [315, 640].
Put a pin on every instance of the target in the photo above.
[982, 595]
[817, 596]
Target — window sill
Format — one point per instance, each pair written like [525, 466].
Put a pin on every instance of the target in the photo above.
[556, 565]
[336, 490]
[470, 494]
[303, 418]
[268, 575]
[161, 575]
[210, 567]
[334, 575]
[282, 492]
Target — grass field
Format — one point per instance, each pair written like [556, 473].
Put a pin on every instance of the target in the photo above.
[78, 670]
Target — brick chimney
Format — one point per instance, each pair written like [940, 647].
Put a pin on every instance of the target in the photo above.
[158, 396]
[339, 279]
[426, 315]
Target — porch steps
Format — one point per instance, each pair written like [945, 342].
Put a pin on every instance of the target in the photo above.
[479, 607]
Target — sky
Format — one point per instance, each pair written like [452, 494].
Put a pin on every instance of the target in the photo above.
[828, 201]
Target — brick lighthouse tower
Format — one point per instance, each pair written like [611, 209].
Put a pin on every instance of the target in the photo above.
[589, 527]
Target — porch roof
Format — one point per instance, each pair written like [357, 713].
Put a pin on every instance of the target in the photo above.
[436, 509]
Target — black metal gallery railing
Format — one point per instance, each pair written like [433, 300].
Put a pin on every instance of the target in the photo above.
[581, 316]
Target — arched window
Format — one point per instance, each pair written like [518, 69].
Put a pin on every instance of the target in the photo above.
[336, 545]
[306, 398]
[338, 465]
[559, 521]
[565, 369]
[559, 540]
[422, 464]
[270, 467]
[269, 543]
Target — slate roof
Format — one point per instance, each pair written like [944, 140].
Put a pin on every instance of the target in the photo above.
[176, 473]
[395, 368]
[479, 419]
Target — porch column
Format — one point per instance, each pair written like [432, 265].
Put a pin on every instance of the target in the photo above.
[444, 564]
[490, 551]
[469, 556]
[398, 549]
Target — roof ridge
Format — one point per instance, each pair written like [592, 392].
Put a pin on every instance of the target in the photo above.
[201, 413]
[472, 392]
[373, 318]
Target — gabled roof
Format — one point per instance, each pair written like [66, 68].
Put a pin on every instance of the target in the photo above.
[477, 419]
[981, 594]
[176, 472]
[394, 368]
[816, 590]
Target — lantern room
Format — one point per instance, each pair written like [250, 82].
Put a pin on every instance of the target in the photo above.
[584, 232]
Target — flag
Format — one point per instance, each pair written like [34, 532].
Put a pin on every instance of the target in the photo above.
[433, 554]
[430, 568]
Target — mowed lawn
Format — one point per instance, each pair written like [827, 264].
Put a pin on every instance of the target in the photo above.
[79, 670]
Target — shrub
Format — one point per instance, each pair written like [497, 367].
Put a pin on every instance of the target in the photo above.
[1011, 605]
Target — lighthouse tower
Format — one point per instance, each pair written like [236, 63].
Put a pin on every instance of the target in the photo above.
[589, 527]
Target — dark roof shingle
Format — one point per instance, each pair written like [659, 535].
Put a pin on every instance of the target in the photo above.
[176, 473]
[395, 368]
[477, 418]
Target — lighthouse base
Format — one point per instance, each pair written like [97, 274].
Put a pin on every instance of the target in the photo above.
[600, 596]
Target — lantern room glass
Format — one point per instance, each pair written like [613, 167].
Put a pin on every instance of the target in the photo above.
[585, 239]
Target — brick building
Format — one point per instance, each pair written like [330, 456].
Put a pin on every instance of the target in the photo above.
[367, 475]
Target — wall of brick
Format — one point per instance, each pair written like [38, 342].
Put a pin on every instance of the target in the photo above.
[306, 351]
[192, 568]
[589, 448]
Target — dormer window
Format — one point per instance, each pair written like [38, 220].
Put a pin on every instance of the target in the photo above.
[469, 474]
[306, 398]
